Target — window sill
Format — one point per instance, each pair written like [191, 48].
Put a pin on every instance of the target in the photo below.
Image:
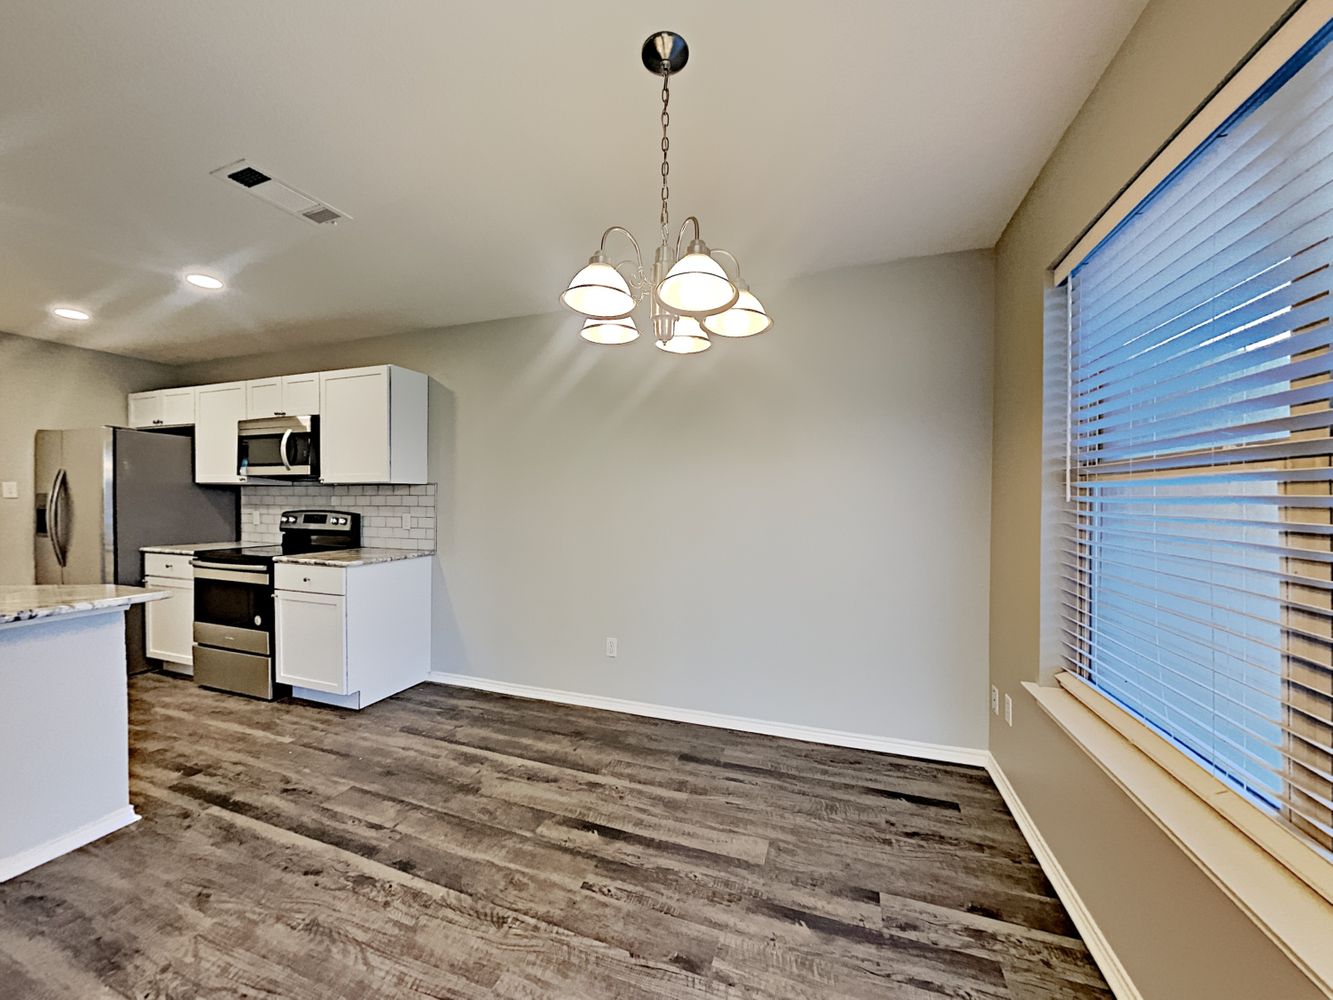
[1210, 823]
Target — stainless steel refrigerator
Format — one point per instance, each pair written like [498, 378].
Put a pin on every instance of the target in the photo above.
[104, 492]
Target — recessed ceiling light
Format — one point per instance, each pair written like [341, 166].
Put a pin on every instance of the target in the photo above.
[204, 281]
[65, 312]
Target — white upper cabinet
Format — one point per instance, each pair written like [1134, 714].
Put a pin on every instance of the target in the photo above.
[300, 395]
[263, 397]
[282, 396]
[372, 421]
[178, 406]
[218, 409]
[145, 409]
[373, 425]
[162, 408]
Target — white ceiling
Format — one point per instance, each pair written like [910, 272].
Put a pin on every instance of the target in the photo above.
[481, 148]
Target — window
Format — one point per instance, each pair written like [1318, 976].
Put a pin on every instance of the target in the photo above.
[1197, 576]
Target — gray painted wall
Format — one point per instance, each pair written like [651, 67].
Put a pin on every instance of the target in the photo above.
[1174, 930]
[46, 385]
[792, 528]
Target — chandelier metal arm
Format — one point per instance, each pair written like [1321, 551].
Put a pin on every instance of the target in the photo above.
[638, 254]
[691, 220]
[734, 260]
[635, 277]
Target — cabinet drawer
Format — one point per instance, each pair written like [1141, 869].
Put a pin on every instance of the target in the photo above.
[174, 567]
[310, 579]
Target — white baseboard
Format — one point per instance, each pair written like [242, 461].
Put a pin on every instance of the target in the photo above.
[17, 864]
[1116, 976]
[810, 734]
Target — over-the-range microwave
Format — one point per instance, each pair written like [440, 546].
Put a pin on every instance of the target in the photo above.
[279, 447]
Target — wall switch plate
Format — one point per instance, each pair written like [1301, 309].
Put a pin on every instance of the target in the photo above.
[9, 490]
[1008, 710]
[407, 520]
[254, 517]
[612, 646]
[994, 699]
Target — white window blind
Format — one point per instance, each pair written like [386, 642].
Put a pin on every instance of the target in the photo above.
[1198, 586]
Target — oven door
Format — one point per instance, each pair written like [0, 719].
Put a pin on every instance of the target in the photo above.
[233, 607]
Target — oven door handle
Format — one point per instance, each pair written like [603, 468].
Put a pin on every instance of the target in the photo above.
[228, 574]
[282, 449]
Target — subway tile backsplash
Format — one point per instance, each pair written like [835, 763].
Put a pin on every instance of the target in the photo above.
[382, 509]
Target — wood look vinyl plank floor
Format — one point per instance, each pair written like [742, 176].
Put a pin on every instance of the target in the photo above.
[455, 844]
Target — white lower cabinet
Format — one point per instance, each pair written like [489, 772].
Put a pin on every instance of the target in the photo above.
[312, 641]
[169, 623]
[352, 636]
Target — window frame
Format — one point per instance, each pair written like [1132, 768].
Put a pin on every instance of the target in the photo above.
[1253, 80]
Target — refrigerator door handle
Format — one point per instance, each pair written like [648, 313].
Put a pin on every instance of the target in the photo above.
[53, 510]
[282, 448]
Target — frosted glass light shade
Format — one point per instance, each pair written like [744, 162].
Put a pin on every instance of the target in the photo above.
[599, 291]
[689, 338]
[696, 286]
[610, 331]
[746, 318]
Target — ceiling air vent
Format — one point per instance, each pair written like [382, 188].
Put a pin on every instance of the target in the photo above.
[264, 187]
[322, 215]
[248, 177]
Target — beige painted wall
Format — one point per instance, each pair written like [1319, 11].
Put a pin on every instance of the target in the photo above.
[45, 385]
[1176, 933]
[792, 528]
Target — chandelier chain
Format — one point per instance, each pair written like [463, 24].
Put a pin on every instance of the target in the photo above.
[666, 146]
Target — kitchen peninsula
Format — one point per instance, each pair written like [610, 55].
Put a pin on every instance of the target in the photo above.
[64, 725]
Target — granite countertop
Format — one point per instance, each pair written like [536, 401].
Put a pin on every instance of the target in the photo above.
[23, 603]
[354, 557]
[190, 548]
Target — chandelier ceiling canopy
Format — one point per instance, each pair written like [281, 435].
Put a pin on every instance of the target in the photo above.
[691, 295]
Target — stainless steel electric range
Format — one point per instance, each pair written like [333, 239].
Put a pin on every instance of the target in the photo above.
[233, 601]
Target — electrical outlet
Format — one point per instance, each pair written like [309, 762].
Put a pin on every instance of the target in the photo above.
[612, 646]
[1008, 710]
[994, 700]
[9, 490]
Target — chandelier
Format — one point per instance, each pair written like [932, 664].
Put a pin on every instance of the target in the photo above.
[691, 295]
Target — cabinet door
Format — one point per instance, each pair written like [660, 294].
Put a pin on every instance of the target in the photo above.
[354, 426]
[218, 408]
[169, 623]
[311, 641]
[145, 409]
[178, 406]
[300, 394]
[263, 398]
